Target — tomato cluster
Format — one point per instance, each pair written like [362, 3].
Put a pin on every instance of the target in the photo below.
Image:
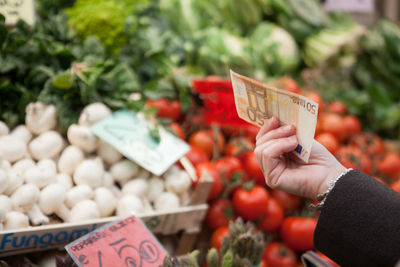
[342, 134]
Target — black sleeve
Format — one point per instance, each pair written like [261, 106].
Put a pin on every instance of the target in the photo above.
[359, 224]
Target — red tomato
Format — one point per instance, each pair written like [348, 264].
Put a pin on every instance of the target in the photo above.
[250, 204]
[352, 124]
[166, 109]
[288, 201]
[316, 97]
[390, 165]
[219, 213]
[318, 127]
[227, 166]
[196, 155]
[298, 232]
[277, 254]
[236, 146]
[375, 145]
[333, 123]
[217, 186]
[177, 129]
[218, 237]
[205, 139]
[337, 107]
[396, 186]
[252, 168]
[263, 263]
[273, 217]
[353, 157]
[327, 259]
[369, 142]
[329, 141]
[288, 84]
[251, 131]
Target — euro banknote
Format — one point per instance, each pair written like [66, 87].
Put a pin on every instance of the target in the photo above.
[256, 102]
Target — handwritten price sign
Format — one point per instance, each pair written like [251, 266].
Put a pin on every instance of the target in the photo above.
[125, 243]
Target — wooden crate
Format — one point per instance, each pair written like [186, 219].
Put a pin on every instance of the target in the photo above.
[185, 220]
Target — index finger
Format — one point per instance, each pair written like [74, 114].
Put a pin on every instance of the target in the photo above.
[269, 125]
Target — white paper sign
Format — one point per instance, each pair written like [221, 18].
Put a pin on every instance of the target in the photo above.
[130, 135]
[14, 10]
[360, 6]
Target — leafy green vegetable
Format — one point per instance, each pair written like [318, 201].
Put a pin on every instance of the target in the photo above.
[104, 19]
[273, 49]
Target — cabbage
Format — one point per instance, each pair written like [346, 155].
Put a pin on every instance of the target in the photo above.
[274, 49]
[221, 50]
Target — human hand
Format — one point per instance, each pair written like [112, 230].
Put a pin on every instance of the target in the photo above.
[284, 171]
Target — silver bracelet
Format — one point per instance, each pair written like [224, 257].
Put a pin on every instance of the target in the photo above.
[331, 184]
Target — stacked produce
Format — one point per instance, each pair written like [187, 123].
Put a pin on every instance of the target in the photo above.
[142, 56]
[76, 178]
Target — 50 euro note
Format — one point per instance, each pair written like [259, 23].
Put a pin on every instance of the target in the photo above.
[256, 102]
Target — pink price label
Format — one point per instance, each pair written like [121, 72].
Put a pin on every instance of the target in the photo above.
[125, 243]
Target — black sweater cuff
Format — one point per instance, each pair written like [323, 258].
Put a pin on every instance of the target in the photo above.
[359, 224]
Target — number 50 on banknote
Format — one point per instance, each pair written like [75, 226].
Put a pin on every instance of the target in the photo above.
[257, 102]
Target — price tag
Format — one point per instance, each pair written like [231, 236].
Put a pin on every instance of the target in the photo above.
[14, 10]
[130, 135]
[124, 243]
[361, 6]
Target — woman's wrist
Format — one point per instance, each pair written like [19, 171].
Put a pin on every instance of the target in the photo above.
[329, 185]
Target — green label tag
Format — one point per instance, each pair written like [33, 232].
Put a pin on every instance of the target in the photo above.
[14, 10]
[131, 135]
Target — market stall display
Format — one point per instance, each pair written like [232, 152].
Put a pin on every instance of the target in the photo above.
[169, 60]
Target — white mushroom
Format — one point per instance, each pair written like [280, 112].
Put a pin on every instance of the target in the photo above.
[46, 145]
[15, 180]
[22, 132]
[40, 117]
[5, 207]
[4, 130]
[166, 201]
[178, 182]
[90, 172]
[65, 180]
[128, 205]
[4, 179]
[82, 137]
[124, 170]
[76, 194]
[156, 187]
[137, 187]
[51, 200]
[41, 174]
[24, 197]
[108, 153]
[106, 201]
[70, 159]
[16, 220]
[5, 165]
[84, 210]
[48, 163]
[93, 113]
[12, 148]
[22, 165]
[108, 180]
[36, 215]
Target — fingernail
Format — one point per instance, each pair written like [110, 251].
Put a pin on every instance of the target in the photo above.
[293, 139]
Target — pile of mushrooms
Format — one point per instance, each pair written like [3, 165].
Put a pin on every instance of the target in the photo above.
[45, 176]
